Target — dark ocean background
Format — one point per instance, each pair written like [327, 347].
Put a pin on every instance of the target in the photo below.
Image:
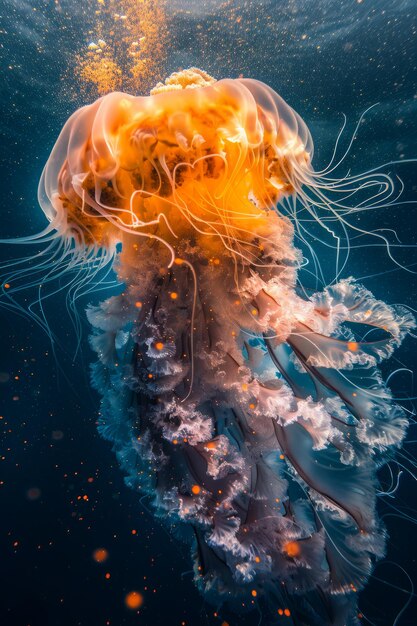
[62, 495]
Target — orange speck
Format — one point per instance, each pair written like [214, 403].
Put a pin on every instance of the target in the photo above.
[225, 623]
[281, 456]
[280, 612]
[134, 600]
[107, 576]
[353, 346]
[354, 394]
[100, 555]
[7, 285]
[254, 593]
[34, 493]
[292, 548]
[150, 375]
[244, 387]
[216, 261]
[196, 489]
[211, 445]
[138, 305]
[178, 261]
[254, 311]
[159, 345]
[251, 406]
[134, 532]
[175, 441]
[174, 295]
[287, 612]
[257, 559]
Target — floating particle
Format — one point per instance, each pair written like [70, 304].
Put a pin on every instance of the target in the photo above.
[134, 600]
[100, 555]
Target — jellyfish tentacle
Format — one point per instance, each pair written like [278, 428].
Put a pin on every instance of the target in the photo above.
[249, 410]
[264, 459]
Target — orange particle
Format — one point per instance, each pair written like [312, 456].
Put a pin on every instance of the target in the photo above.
[287, 612]
[254, 593]
[281, 456]
[353, 346]
[257, 559]
[138, 305]
[134, 532]
[216, 261]
[244, 387]
[280, 612]
[195, 489]
[34, 493]
[150, 375]
[100, 555]
[134, 600]
[225, 623]
[175, 441]
[211, 445]
[7, 285]
[292, 548]
[254, 311]
[174, 295]
[354, 394]
[178, 261]
[107, 576]
[252, 406]
[159, 345]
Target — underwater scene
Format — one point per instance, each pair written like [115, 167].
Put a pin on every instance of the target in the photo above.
[208, 313]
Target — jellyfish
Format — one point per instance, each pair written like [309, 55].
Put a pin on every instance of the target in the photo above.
[248, 407]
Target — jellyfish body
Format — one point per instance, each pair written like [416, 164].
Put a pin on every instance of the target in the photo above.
[253, 415]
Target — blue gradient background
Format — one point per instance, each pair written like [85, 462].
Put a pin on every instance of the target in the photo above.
[354, 54]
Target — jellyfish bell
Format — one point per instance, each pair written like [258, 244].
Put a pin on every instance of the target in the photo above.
[199, 159]
[251, 413]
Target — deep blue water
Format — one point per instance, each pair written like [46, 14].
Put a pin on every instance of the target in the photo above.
[355, 54]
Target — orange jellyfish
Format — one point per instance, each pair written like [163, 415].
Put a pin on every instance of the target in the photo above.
[250, 411]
